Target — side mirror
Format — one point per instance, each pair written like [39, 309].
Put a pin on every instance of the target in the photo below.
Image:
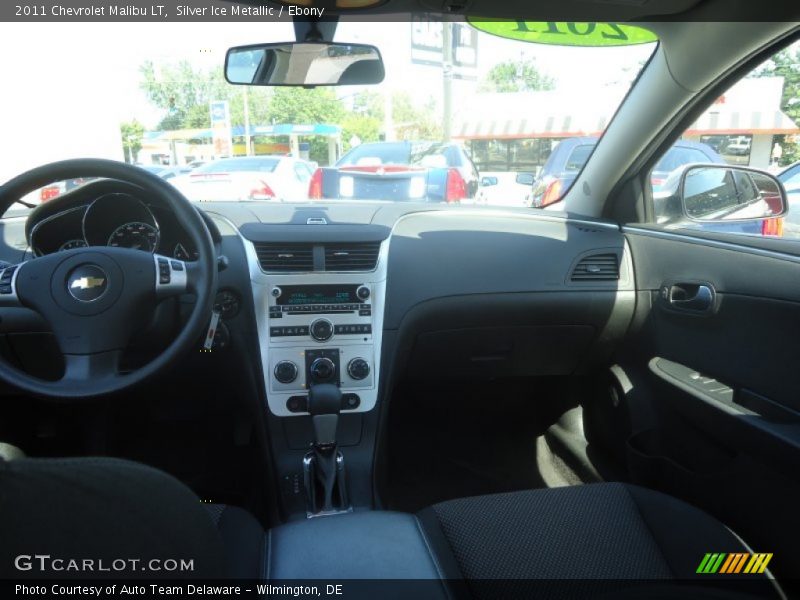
[304, 64]
[525, 178]
[725, 193]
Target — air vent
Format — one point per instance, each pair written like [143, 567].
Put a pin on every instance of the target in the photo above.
[283, 257]
[599, 267]
[355, 256]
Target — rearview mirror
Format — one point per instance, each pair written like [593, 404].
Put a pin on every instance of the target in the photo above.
[724, 193]
[304, 64]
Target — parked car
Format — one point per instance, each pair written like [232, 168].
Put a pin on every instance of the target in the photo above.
[739, 146]
[173, 172]
[279, 178]
[569, 156]
[790, 177]
[57, 188]
[421, 171]
[155, 169]
[504, 188]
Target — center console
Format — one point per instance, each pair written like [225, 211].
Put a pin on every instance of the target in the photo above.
[319, 326]
[319, 293]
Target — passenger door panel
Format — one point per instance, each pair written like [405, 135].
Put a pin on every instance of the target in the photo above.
[721, 385]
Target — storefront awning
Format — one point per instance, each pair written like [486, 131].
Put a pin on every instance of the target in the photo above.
[566, 125]
[741, 122]
[533, 126]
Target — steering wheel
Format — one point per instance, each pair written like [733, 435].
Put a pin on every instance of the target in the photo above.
[95, 298]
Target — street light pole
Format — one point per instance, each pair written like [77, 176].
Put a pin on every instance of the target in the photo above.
[447, 80]
[248, 151]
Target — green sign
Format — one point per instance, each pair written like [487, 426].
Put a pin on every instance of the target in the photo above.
[565, 33]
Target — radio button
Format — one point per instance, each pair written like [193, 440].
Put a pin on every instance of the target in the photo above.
[350, 401]
[285, 371]
[321, 330]
[322, 370]
[276, 331]
[297, 404]
[358, 368]
[363, 292]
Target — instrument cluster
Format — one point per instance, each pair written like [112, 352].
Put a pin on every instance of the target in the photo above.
[117, 219]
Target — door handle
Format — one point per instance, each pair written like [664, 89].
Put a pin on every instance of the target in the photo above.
[691, 297]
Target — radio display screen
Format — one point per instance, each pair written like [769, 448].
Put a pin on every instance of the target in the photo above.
[298, 295]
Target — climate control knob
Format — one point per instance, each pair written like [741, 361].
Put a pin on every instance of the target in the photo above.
[321, 330]
[358, 368]
[362, 292]
[322, 370]
[285, 371]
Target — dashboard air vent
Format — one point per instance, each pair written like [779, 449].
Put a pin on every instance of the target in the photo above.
[354, 256]
[597, 267]
[285, 257]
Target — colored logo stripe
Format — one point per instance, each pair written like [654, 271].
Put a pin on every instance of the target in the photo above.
[736, 562]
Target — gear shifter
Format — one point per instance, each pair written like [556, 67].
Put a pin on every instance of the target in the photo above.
[323, 467]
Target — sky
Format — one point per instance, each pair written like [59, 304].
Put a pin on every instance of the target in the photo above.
[69, 80]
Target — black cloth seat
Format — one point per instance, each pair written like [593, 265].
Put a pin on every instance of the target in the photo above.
[106, 509]
[607, 531]
[607, 540]
[243, 539]
[103, 509]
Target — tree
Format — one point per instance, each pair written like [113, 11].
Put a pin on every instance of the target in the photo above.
[786, 64]
[516, 76]
[184, 93]
[413, 122]
[131, 133]
[307, 106]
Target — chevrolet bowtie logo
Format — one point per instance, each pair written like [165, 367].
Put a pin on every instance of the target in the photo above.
[87, 283]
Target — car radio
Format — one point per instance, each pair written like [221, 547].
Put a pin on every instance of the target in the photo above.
[320, 333]
[297, 306]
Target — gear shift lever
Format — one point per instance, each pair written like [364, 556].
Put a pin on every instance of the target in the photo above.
[323, 467]
[324, 404]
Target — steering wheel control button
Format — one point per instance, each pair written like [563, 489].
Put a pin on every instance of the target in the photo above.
[321, 330]
[350, 401]
[6, 279]
[163, 271]
[171, 275]
[87, 283]
[363, 292]
[358, 369]
[285, 371]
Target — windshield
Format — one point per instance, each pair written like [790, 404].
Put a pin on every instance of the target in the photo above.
[438, 120]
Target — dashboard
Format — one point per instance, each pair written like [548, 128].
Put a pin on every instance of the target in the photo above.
[362, 296]
[107, 213]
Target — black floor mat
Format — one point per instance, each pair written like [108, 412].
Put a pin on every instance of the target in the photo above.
[449, 443]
